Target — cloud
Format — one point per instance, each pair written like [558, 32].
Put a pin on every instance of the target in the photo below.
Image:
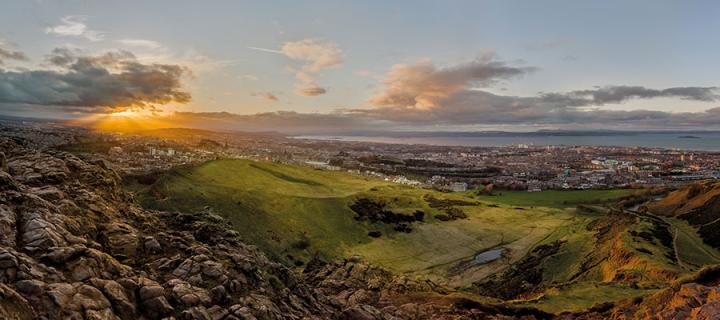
[477, 107]
[310, 91]
[353, 121]
[74, 26]
[280, 121]
[111, 81]
[315, 55]
[267, 96]
[7, 54]
[618, 94]
[421, 85]
[422, 94]
[141, 43]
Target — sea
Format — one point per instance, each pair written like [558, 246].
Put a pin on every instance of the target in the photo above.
[701, 141]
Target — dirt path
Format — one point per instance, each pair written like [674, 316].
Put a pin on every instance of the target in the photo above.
[675, 248]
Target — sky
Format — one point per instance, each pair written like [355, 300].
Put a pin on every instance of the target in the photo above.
[334, 66]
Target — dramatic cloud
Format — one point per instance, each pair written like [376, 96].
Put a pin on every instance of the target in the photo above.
[107, 82]
[6, 54]
[74, 26]
[476, 107]
[421, 85]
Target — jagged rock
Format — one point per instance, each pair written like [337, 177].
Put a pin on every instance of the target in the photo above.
[39, 234]
[7, 182]
[49, 193]
[121, 239]
[8, 229]
[38, 169]
[152, 245]
[13, 306]
[361, 313]
[187, 294]
[117, 296]
[3, 162]
[30, 287]
[78, 300]
[157, 307]
[709, 311]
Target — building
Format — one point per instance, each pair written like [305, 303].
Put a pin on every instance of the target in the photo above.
[458, 187]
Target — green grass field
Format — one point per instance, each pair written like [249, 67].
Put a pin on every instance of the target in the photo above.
[583, 296]
[556, 198]
[278, 207]
[294, 213]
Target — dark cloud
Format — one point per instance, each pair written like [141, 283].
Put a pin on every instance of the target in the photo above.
[6, 54]
[310, 91]
[369, 120]
[114, 80]
[619, 94]
[470, 107]
[422, 85]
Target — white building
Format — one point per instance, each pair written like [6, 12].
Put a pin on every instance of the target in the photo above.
[458, 187]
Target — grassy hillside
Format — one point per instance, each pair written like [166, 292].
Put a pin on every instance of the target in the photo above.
[541, 242]
[557, 198]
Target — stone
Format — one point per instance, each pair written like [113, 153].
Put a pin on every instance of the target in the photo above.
[152, 245]
[157, 307]
[30, 287]
[14, 306]
[121, 239]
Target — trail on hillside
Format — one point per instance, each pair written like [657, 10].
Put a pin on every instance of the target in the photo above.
[675, 248]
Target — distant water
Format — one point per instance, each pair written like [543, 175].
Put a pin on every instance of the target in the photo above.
[695, 141]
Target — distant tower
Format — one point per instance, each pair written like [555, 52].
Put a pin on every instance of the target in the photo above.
[682, 157]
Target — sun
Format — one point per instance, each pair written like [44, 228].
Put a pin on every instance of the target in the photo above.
[127, 120]
[126, 113]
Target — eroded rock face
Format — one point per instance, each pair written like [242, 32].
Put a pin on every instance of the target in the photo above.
[72, 246]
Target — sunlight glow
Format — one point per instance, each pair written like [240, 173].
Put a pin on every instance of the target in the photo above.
[124, 121]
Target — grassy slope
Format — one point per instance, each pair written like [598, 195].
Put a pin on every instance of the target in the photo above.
[556, 198]
[271, 205]
[275, 206]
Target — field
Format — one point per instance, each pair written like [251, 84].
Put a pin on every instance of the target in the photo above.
[298, 213]
[554, 198]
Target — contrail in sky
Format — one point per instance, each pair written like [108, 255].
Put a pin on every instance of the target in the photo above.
[266, 50]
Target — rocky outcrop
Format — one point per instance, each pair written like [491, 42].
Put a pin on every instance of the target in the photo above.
[74, 246]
